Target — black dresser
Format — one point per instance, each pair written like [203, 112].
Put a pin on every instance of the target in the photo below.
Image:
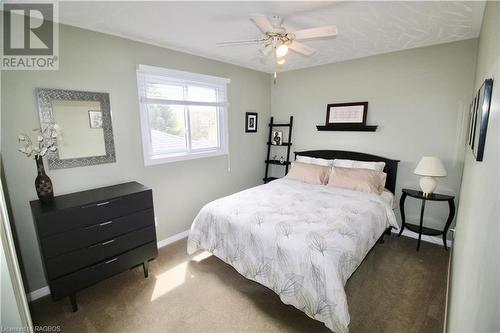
[88, 236]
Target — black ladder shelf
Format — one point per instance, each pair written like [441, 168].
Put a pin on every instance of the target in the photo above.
[287, 144]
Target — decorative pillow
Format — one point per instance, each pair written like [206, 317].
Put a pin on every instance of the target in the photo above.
[378, 166]
[309, 173]
[363, 180]
[314, 160]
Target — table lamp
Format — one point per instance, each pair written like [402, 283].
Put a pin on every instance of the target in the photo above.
[429, 167]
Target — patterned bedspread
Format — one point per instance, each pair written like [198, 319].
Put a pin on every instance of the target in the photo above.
[302, 241]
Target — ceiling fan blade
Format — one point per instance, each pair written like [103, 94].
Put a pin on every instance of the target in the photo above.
[262, 22]
[326, 31]
[301, 48]
[240, 42]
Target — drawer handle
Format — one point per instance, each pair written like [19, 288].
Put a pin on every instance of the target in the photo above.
[100, 244]
[105, 223]
[108, 242]
[99, 204]
[104, 263]
[98, 225]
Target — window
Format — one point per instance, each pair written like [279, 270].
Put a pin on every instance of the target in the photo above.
[183, 115]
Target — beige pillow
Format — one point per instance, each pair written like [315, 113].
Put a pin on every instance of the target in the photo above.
[309, 173]
[363, 180]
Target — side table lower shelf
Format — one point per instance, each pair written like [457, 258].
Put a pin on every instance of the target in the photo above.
[420, 229]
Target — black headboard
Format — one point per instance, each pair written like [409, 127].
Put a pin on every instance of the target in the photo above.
[391, 166]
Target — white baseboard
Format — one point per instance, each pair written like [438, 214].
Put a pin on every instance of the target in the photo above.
[39, 293]
[44, 291]
[430, 239]
[173, 238]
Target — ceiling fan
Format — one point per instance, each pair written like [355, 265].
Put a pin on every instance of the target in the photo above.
[276, 38]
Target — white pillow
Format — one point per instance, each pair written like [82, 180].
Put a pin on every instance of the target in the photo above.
[314, 160]
[377, 166]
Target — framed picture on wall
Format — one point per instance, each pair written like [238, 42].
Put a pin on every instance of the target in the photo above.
[95, 119]
[251, 122]
[353, 114]
[471, 122]
[481, 118]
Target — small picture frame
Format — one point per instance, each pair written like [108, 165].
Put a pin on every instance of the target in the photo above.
[277, 138]
[472, 122]
[480, 119]
[95, 119]
[251, 122]
[350, 114]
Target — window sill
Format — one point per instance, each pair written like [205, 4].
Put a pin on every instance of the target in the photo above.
[148, 161]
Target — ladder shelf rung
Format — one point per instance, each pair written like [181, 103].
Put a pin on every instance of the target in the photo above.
[280, 125]
[277, 162]
[283, 144]
[269, 179]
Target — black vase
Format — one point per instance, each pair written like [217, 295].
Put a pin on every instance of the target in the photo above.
[43, 184]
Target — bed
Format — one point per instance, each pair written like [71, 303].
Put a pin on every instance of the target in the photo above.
[302, 241]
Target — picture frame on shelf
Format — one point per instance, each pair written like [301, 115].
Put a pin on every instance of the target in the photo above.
[346, 114]
[277, 138]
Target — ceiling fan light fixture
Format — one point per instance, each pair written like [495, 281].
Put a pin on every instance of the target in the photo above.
[281, 51]
[266, 50]
[280, 61]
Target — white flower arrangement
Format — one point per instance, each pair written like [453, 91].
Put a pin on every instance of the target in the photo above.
[46, 140]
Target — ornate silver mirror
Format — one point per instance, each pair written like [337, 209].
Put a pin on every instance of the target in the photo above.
[83, 121]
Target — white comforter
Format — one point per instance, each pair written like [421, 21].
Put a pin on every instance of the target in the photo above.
[302, 241]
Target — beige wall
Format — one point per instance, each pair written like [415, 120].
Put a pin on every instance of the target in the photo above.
[475, 285]
[98, 62]
[417, 98]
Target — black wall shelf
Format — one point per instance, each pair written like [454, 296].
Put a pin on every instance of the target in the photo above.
[365, 128]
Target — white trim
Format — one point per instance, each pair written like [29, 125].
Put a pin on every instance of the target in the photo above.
[39, 293]
[430, 239]
[44, 291]
[185, 78]
[183, 157]
[188, 76]
[181, 102]
[174, 238]
[10, 256]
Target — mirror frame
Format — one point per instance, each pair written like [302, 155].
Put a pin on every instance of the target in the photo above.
[45, 112]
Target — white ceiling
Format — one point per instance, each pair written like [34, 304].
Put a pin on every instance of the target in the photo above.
[365, 28]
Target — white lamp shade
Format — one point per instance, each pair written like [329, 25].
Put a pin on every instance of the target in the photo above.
[430, 166]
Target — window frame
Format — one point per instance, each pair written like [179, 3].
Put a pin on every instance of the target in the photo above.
[185, 78]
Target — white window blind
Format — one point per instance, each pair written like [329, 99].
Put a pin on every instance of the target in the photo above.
[183, 115]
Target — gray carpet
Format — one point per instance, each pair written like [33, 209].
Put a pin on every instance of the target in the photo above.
[396, 289]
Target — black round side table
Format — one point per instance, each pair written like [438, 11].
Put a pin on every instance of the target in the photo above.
[420, 229]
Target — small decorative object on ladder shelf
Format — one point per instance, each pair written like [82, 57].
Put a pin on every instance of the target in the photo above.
[276, 139]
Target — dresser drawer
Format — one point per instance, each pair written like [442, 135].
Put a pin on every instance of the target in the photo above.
[70, 283]
[70, 262]
[92, 213]
[79, 238]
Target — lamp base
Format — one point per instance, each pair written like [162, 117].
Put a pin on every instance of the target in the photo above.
[428, 185]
